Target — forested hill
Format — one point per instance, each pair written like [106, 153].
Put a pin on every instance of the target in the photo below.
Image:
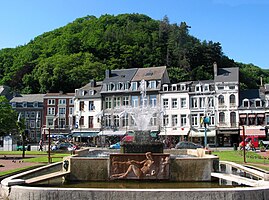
[68, 57]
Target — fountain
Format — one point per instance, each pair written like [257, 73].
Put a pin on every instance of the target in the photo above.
[140, 160]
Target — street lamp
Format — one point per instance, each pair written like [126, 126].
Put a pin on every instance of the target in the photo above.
[206, 121]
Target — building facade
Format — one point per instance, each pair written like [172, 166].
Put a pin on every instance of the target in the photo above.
[30, 108]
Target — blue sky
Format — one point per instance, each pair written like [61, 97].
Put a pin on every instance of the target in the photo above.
[241, 26]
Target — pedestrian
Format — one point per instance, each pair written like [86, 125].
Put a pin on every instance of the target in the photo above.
[40, 145]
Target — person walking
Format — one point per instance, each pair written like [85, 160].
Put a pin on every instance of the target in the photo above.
[40, 145]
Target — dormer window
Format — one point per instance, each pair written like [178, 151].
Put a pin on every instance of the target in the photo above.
[198, 88]
[182, 87]
[134, 86]
[118, 86]
[149, 73]
[206, 87]
[174, 87]
[35, 104]
[246, 103]
[258, 103]
[109, 86]
[152, 84]
[24, 104]
[13, 104]
[165, 87]
[91, 92]
[126, 86]
[220, 87]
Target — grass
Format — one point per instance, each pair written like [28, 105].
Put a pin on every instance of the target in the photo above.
[252, 158]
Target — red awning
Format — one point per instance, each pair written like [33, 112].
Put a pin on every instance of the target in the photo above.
[251, 115]
[260, 115]
[257, 132]
[242, 116]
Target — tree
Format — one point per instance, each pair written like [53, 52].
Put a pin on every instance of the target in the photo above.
[8, 118]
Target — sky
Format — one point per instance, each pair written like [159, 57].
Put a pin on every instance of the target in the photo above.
[240, 26]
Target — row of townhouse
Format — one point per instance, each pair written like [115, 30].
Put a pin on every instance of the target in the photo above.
[96, 111]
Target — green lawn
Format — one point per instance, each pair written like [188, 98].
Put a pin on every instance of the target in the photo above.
[252, 158]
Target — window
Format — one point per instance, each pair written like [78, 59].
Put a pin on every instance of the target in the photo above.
[245, 103]
[116, 120]
[165, 103]
[183, 120]
[27, 114]
[71, 110]
[198, 88]
[13, 104]
[117, 102]
[174, 120]
[125, 120]
[221, 100]
[90, 118]
[165, 120]
[183, 103]
[35, 104]
[32, 124]
[126, 86]
[174, 103]
[125, 101]
[258, 103]
[81, 106]
[194, 120]
[182, 87]
[62, 101]
[91, 105]
[118, 86]
[153, 100]
[32, 115]
[232, 99]
[221, 118]
[134, 101]
[165, 87]
[50, 122]
[62, 111]
[24, 104]
[194, 102]
[51, 101]
[152, 84]
[174, 87]
[220, 87]
[51, 111]
[210, 102]
[267, 119]
[206, 87]
[231, 87]
[108, 120]
[153, 120]
[233, 119]
[134, 86]
[62, 122]
[202, 102]
[81, 121]
[71, 101]
[108, 102]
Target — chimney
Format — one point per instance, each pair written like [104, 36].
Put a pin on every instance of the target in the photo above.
[93, 83]
[215, 69]
[108, 73]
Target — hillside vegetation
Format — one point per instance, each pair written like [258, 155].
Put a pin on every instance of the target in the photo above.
[68, 57]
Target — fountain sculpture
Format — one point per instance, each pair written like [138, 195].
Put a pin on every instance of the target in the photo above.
[138, 160]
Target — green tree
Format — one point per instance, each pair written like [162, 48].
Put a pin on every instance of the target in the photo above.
[8, 118]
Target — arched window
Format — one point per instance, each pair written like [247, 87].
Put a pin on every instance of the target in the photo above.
[221, 118]
[233, 119]
[232, 99]
[221, 100]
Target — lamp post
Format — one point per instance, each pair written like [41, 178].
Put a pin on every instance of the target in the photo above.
[206, 121]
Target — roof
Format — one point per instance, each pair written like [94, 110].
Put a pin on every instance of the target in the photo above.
[28, 98]
[59, 94]
[120, 75]
[227, 75]
[150, 73]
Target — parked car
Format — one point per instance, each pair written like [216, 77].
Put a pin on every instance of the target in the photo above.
[187, 145]
[115, 146]
[64, 146]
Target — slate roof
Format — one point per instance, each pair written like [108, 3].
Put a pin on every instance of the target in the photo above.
[120, 75]
[227, 75]
[150, 73]
[28, 98]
